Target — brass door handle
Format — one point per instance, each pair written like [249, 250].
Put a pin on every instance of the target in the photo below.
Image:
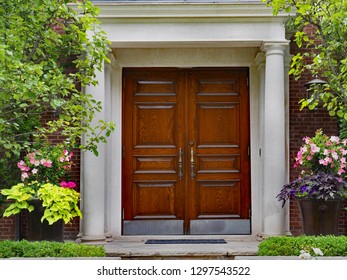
[192, 174]
[180, 164]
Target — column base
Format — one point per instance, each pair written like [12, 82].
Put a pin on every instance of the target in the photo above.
[92, 239]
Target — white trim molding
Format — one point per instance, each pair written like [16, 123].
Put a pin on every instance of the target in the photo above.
[227, 34]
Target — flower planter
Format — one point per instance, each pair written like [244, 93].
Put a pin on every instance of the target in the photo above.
[319, 216]
[38, 230]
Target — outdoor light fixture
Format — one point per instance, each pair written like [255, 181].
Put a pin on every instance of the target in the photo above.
[315, 82]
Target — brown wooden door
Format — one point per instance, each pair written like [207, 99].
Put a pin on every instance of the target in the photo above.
[186, 151]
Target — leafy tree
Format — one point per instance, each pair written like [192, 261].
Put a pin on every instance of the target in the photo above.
[325, 52]
[40, 42]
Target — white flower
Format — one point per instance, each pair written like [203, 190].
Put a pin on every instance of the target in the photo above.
[317, 251]
[304, 255]
[34, 171]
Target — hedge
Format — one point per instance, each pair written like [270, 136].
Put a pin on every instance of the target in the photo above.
[291, 246]
[41, 249]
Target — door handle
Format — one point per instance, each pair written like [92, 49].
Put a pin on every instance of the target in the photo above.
[192, 174]
[180, 164]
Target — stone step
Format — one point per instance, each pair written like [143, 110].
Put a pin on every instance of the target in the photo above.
[140, 250]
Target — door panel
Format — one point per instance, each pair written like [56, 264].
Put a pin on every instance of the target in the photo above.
[151, 187]
[218, 103]
[185, 142]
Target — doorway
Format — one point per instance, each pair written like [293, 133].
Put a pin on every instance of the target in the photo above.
[186, 162]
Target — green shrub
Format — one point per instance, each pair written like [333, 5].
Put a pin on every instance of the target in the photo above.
[40, 249]
[291, 246]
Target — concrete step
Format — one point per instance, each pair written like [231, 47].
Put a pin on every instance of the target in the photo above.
[127, 249]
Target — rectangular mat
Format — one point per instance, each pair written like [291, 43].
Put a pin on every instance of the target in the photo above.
[185, 241]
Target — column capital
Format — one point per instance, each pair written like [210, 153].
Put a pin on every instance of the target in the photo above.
[260, 59]
[277, 47]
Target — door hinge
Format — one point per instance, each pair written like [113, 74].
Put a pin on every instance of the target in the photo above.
[248, 150]
[247, 81]
[249, 213]
[123, 152]
[123, 214]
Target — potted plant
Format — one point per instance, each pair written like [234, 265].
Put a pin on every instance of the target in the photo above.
[45, 191]
[321, 185]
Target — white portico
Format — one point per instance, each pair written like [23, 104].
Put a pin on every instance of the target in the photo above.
[229, 34]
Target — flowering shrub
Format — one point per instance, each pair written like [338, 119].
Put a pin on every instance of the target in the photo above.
[50, 164]
[322, 153]
[44, 176]
[323, 162]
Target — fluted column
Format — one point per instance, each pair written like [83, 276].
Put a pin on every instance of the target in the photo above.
[274, 151]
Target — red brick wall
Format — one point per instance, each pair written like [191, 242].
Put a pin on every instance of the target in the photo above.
[7, 228]
[305, 123]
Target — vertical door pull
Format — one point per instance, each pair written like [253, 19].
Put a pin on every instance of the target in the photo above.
[180, 164]
[192, 174]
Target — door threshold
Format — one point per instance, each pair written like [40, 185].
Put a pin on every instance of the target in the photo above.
[144, 238]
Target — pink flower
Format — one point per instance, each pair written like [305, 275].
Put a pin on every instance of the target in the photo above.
[314, 148]
[21, 165]
[65, 184]
[71, 185]
[341, 171]
[306, 139]
[335, 139]
[24, 176]
[61, 159]
[46, 163]
[334, 155]
[309, 157]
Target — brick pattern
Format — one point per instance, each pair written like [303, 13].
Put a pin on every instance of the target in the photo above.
[7, 228]
[305, 123]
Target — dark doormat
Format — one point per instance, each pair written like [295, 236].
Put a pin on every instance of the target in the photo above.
[185, 241]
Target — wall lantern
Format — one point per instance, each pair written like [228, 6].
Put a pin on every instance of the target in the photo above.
[313, 84]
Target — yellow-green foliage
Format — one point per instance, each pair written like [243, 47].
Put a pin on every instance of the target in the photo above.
[19, 194]
[59, 203]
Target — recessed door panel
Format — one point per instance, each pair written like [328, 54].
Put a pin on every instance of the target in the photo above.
[185, 151]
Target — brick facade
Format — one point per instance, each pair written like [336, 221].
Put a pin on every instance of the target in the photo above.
[305, 123]
[302, 123]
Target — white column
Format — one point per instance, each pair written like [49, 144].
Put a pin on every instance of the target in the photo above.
[93, 176]
[274, 151]
[260, 60]
[287, 61]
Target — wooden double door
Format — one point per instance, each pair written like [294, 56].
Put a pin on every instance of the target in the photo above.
[186, 164]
